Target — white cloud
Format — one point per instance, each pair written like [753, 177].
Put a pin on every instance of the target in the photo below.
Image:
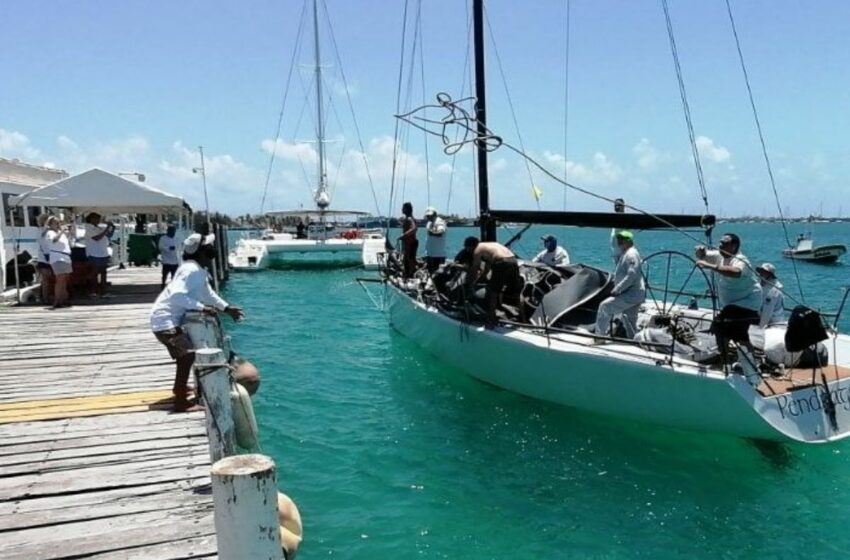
[499, 165]
[13, 144]
[711, 151]
[600, 171]
[444, 169]
[647, 155]
[295, 151]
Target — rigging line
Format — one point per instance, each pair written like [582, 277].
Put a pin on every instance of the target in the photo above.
[351, 109]
[566, 91]
[464, 75]
[510, 103]
[304, 106]
[763, 143]
[295, 51]
[409, 94]
[685, 106]
[398, 108]
[422, 79]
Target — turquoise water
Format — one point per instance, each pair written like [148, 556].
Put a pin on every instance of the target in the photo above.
[391, 454]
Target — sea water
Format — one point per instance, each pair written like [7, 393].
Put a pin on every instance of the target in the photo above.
[391, 454]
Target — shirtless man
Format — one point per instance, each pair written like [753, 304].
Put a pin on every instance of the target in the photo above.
[503, 267]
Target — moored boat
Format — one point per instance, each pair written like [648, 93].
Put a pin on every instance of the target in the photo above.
[805, 250]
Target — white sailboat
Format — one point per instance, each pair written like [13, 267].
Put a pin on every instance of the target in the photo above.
[327, 236]
[554, 357]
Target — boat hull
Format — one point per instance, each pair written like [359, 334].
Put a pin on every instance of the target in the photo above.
[595, 379]
[825, 254]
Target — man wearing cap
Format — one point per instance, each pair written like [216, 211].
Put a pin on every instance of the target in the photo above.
[739, 292]
[772, 303]
[552, 254]
[435, 245]
[189, 290]
[629, 291]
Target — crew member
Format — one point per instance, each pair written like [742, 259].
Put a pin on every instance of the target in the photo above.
[739, 293]
[435, 245]
[97, 251]
[189, 290]
[552, 253]
[409, 242]
[300, 230]
[629, 290]
[619, 208]
[505, 280]
[168, 256]
[772, 302]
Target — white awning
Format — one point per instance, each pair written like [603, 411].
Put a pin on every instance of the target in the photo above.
[104, 192]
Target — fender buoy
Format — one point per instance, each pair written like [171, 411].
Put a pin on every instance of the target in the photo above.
[291, 530]
[247, 375]
[243, 417]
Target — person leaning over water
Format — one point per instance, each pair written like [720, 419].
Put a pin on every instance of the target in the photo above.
[435, 245]
[505, 279]
[168, 256]
[629, 290]
[739, 292]
[189, 290]
[409, 243]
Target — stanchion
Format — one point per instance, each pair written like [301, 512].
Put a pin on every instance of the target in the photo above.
[213, 377]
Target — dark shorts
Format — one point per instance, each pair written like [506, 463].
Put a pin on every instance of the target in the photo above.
[99, 262]
[176, 341]
[44, 266]
[169, 269]
[733, 323]
[505, 277]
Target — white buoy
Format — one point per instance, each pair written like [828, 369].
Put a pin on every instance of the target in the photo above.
[214, 378]
[291, 529]
[246, 518]
[243, 417]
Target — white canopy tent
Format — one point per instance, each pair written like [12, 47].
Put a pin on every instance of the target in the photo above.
[104, 192]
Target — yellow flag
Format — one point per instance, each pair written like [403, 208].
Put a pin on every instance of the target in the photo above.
[537, 192]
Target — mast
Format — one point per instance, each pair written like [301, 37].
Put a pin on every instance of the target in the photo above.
[488, 226]
[322, 200]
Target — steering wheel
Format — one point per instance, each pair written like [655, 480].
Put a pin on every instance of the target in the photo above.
[662, 265]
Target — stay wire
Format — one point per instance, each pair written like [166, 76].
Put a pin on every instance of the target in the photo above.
[685, 106]
[398, 109]
[566, 92]
[422, 79]
[464, 76]
[764, 152]
[295, 51]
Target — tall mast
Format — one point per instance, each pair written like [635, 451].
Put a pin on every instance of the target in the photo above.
[321, 193]
[488, 226]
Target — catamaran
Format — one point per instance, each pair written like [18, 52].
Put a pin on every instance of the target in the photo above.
[669, 374]
[325, 235]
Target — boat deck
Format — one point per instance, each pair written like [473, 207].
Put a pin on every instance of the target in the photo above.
[799, 378]
[92, 464]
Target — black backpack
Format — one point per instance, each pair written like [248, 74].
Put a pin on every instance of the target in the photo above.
[805, 329]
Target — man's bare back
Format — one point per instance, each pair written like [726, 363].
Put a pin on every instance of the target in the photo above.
[489, 252]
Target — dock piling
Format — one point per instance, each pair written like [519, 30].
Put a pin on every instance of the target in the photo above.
[214, 379]
[246, 519]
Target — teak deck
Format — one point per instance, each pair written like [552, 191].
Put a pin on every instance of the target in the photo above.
[92, 464]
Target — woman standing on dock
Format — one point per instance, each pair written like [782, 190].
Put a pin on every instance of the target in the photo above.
[60, 260]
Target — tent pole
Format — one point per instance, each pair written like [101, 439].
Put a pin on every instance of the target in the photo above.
[17, 272]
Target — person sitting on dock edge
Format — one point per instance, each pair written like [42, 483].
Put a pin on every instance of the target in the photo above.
[168, 256]
[189, 290]
[629, 290]
[505, 280]
[435, 245]
[552, 253]
[739, 292]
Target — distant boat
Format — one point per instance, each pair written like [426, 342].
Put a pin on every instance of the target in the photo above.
[805, 251]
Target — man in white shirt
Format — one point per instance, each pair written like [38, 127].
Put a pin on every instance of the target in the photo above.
[739, 292]
[97, 250]
[552, 254]
[629, 290]
[435, 245]
[773, 303]
[189, 290]
[168, 256]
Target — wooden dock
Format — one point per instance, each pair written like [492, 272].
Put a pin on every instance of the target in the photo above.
[92, 464]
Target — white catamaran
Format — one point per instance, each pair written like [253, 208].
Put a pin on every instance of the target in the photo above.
[323, 235]
[670, 375]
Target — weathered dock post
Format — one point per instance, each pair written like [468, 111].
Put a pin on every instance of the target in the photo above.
[246, 519]
[214, 378]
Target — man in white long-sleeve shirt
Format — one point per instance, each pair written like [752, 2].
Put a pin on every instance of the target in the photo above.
[629, 291]
[189, 290]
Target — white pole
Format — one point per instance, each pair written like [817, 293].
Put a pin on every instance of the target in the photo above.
[214, 380]
[245, 498]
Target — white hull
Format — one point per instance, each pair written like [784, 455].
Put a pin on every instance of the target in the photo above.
[249, 255]
[288, 249]
[620, 380]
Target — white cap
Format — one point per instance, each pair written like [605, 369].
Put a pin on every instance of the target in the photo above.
[192, 243]
[767, 267]
[430, 211]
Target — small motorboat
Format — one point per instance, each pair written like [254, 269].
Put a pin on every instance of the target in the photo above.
[806, 251]
[249, 255]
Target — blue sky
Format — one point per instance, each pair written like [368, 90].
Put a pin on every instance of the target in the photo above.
[138, 85]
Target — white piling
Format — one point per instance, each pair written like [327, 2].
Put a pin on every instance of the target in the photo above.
[246, 520]
[214, 379]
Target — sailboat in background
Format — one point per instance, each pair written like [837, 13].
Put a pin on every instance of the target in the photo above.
[671, 376]
[323, 235]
